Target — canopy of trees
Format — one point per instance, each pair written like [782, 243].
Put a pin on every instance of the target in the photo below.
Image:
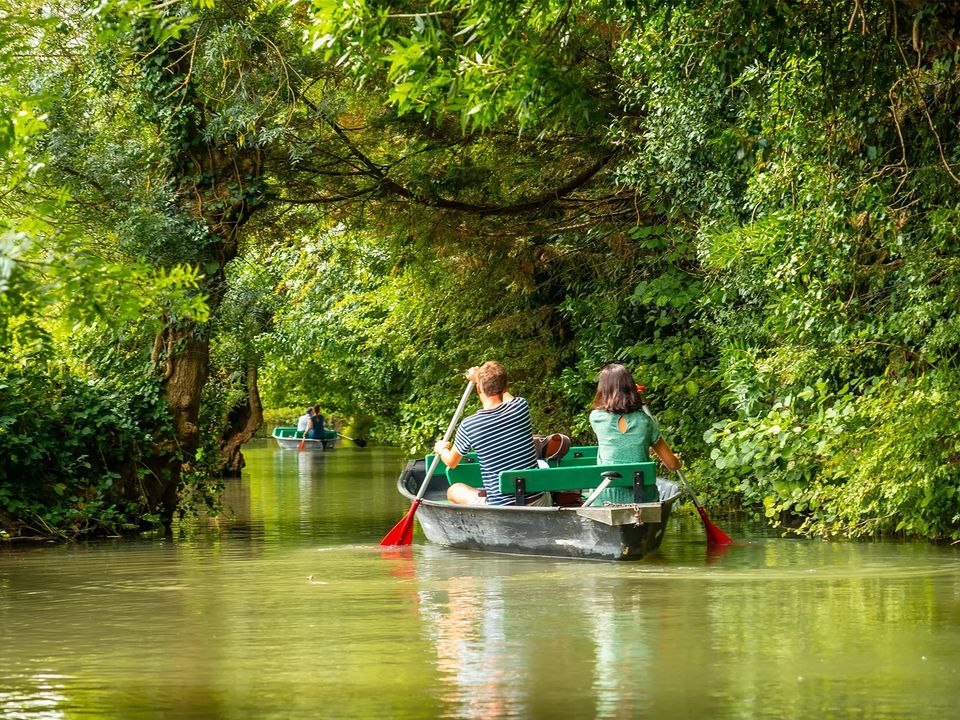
[210, 207]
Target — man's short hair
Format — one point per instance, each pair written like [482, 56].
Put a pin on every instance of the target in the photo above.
[492, 378]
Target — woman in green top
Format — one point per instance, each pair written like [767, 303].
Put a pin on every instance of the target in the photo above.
[624, 432]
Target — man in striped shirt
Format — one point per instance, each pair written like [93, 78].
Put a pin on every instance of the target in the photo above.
[502, 435]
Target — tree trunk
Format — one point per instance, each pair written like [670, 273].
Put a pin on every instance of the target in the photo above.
[243, 421]
[182, 355]
[219, 181]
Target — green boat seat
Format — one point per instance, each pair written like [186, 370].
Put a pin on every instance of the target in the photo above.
[642, 477]
[467, 470]
[580, 455]
[441, 470]
[588, 461]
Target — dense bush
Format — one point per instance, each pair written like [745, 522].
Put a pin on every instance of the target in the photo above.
[76, 453]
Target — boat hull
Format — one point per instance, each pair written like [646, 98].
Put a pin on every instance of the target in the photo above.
[287, 439]
[293, 444]
[622, 532]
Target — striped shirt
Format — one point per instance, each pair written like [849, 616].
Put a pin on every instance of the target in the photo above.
[503, 439]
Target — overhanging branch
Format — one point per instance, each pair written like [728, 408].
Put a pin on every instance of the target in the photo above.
[536, 203]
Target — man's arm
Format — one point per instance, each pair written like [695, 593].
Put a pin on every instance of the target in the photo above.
[449, 455]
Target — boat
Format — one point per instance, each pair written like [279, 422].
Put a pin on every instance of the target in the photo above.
[608, 532]
[289, 439]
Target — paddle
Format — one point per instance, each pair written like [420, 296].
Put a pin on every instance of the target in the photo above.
[599, 489]
[715, 536]
[402, 532]
[359, 442]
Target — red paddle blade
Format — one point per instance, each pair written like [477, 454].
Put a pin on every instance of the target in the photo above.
[402, 532]
[715, 536]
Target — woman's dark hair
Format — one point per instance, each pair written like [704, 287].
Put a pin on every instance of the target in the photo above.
[616, 391]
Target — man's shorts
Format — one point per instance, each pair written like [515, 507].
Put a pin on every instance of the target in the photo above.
[544, 501]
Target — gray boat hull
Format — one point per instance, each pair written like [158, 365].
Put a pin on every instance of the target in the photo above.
[617, 532]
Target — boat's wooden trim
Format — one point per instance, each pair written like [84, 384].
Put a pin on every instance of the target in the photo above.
[623, 514]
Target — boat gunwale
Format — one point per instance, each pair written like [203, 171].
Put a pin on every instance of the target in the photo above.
[426, 500]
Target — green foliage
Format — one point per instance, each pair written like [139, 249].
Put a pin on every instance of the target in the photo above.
[75, 452]
[788, 276]
[881, 461]
[482, 62]
[280, 417]
[83, 419]
[751, 204]
[816, 185]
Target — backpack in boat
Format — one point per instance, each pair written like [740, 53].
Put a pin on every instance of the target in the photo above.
[551, 447]
[554, 447]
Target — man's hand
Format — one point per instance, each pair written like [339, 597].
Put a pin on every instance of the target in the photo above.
[471, 374]
[440, 445]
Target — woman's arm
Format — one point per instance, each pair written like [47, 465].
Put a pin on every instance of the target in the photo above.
[663, 451]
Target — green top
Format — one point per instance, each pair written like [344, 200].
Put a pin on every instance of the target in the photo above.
[616, 446]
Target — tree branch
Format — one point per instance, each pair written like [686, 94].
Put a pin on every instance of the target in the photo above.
[539, 202]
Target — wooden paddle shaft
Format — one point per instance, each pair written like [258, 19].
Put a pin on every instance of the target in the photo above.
[715, 536]
[446, 437]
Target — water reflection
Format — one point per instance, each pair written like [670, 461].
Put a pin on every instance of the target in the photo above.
[306, 467]
[540, 637]
[625, 635]
[470, 640]
[465, 618]
[44, 701]
[715, 553]
[286, 607]
[771, 628]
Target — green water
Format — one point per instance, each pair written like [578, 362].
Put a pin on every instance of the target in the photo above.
[285, 607]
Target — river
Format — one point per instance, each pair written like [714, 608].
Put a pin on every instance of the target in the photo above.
[285, 607]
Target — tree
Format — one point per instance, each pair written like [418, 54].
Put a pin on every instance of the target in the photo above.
[751, 204]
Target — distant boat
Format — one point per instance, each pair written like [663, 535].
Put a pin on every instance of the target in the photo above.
[289, 439]
[606, 532]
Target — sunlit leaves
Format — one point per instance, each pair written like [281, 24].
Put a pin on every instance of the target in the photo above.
[165, 21]
[878, 462]
[484, 62]
[771, 244]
